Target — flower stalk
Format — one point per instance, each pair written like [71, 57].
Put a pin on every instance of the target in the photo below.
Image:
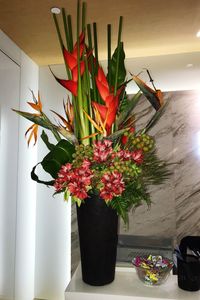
[98, 147]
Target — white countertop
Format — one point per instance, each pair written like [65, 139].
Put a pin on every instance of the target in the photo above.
[127, 286]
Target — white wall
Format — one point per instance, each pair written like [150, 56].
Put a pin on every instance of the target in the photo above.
[42, 264]
[9, 97]
[53, 231]
[25, 190]
[41, 239]
[26, 197]
[175, 72]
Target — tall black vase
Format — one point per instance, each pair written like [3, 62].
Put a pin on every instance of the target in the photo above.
[98, 228]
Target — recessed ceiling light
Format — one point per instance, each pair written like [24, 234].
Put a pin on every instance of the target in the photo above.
[55, 10]
[189, 65]
[198, 34]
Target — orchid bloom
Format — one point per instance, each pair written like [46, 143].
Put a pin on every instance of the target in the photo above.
[109, 110]
[71, 60]
[37, 105]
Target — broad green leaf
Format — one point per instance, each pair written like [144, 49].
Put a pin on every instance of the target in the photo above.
[122, 70]
[45, 139]
[35, 177]
[59, 155]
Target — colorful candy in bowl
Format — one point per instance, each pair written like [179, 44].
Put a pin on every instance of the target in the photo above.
[152, 270]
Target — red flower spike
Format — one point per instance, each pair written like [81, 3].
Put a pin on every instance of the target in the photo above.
[75, 71]
[111, 101]
[102, 109]
[102, 84]
[70, 60]
[70, 85]
[81, 43]
[81, 49]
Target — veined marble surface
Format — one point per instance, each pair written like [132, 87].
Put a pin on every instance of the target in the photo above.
[175, 209]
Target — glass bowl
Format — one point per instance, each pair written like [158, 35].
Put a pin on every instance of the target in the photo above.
[152, 270]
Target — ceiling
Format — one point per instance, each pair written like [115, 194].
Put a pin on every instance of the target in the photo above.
[150, 27]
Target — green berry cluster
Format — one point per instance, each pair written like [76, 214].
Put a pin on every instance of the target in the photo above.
[127, 168]
[144, 142]
[82, 152]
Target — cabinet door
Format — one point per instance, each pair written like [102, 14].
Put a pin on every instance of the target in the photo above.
[9, 98]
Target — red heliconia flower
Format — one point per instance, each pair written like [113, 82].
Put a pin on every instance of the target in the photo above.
[109, 110]
[71, 59]
[138, 156]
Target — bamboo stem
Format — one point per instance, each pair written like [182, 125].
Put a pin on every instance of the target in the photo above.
[58, 31]
[95, 45]
[61, 43]
[96, 56]
[83, 15]
[109, 53]
[118, 52]
[91, 59]
[71, 43]
[66, 28]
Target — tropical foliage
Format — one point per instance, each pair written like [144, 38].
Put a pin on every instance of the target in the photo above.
[98, 147]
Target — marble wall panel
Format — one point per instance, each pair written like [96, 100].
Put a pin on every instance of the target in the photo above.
[186, 146]
[159, 220]
[175, 209]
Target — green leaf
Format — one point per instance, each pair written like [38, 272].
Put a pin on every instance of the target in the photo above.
[58, 156]
[128, 108]
[117, 134]
[66, 194]
[120, 206]
[37, 119]
[156, 117]
[113, 66]
[45, 139]
[35, 177]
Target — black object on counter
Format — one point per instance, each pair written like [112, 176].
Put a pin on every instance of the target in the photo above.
[98, 228]
[189, 264]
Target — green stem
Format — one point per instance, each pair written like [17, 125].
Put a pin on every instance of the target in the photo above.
[96, 55]
[118, 52]
[53, 130]
[71, 43]
[109, 53]
[58, 31]
[91, 128]
[95, 45]
[83, 15]
[91, 59]
[61, 43]
[82, 127]
[66, 28]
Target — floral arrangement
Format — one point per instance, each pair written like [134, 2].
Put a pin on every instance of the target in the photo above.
[98, 147]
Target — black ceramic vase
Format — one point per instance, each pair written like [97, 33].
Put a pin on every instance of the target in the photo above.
[98, 228]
